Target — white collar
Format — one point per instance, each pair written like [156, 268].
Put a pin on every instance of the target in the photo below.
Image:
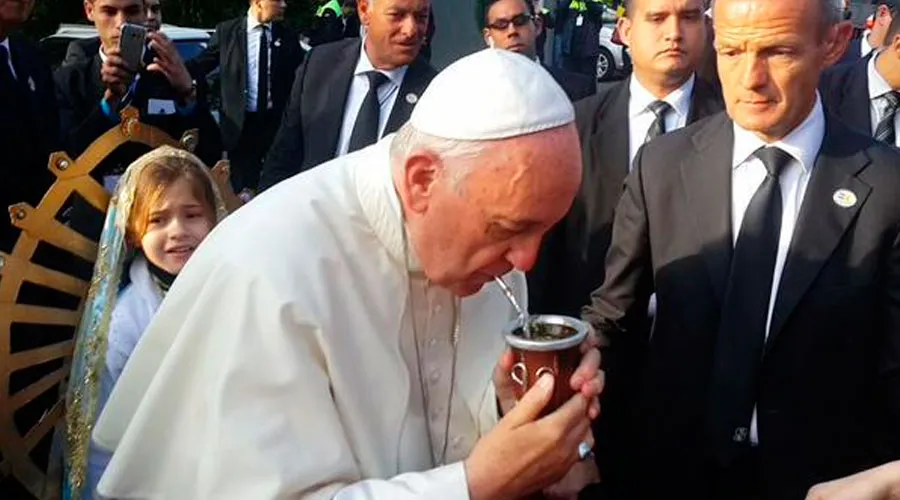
[253, 22]
[803, 143]
[5, 43]
[380, 202]
[865, 40]
[365, 65]
[102, 54]
[641, 98]
[878, 86]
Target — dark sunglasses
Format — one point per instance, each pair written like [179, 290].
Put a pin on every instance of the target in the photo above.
[517, 21]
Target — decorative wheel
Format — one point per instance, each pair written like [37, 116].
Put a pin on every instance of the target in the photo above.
[36, 341]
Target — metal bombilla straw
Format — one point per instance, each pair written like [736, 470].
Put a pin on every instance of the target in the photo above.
[523, 315]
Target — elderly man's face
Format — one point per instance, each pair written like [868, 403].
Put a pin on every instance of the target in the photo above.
[395, 30]
[15, 12]
[770, 56]
[154, 14]
[467, 231]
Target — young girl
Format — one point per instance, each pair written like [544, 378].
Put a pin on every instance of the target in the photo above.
[164, 206]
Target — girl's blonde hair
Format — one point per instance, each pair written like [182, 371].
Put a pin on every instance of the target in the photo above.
[155, 179]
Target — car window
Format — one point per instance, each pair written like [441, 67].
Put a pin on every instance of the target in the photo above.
[189, 49]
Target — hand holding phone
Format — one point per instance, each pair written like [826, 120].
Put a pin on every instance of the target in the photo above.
[168, 62]
[132, 44]
[115, 75]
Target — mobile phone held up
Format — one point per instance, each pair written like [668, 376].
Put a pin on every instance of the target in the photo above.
[133, 45]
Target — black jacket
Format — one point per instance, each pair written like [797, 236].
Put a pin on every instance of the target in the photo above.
[29, 133]
[828, 389]
[311, 127]
[227, 51]
[79, 92]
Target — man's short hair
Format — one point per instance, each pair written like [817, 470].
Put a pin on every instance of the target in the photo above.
[484, 7]
[832, 11]
[893, 29]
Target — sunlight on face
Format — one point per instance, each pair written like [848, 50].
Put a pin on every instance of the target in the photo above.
[495, 220]
[770, 56]
[176, 225]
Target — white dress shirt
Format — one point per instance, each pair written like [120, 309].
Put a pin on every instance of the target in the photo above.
[387, 96]
[12, 68]
[254, 36]
[640, 117]
[748, 173]
[878, 104]
[864, 46]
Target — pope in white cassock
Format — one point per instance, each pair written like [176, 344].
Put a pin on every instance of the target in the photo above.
[340, 336]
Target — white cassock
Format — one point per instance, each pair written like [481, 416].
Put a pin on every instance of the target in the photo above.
[282, 364]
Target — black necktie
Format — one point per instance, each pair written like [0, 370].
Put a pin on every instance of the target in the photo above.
[262, 97]
[658, 128]
[745, 311]
[365, 130]
[885, 130]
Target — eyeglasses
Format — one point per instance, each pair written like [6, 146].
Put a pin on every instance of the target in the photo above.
[517, 21]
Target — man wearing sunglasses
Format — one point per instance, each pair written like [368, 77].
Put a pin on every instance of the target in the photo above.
[512, 25]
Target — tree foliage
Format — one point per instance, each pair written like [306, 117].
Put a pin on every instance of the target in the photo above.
[49, 14]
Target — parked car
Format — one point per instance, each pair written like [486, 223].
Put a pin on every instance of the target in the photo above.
[613, 60]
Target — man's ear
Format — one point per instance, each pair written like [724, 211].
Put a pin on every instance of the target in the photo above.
[624, 27]
[486, 34]
[421, 173]
[364, 9]
[837, 39]
[89, 10]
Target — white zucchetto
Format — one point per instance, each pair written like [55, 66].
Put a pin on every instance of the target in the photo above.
[492, 94]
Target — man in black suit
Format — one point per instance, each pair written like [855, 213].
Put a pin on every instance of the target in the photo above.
[613, 124]
[866, 94]
[88, 47]
[257, 55]
[91, 91]
[512, 25]
[29, 133]
[771, 238]
[350, 93]
[29, 118]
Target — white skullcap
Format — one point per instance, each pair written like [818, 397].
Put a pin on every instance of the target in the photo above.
[492, 94]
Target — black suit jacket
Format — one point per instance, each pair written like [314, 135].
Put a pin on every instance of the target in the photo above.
[829, 386]
[311, 127]
[576, 85]
[227, 51]
[79, 91]
[79, 50]
[27, 137]
[845, 94]
[570, 265]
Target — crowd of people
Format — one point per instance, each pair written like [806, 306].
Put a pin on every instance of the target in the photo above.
[727, 220]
